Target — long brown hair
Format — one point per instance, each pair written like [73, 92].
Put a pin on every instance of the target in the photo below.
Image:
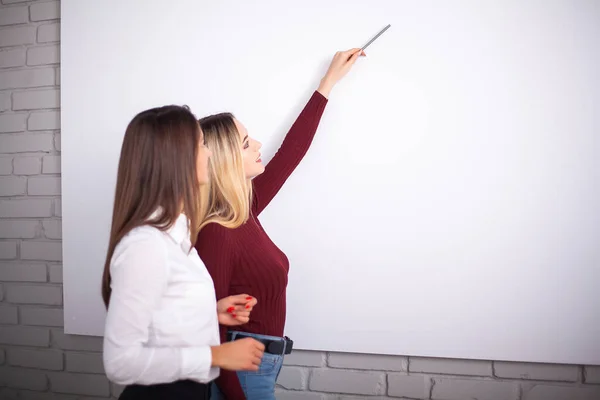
[229, 193]
[157, 170]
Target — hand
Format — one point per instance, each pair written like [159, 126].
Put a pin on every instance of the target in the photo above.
[239, 355]
[340, 65]
[235, 310]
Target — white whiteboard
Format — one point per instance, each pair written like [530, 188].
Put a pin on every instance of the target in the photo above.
[449, 204]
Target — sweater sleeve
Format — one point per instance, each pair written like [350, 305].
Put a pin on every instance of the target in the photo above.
[292, 150]
[215, 248]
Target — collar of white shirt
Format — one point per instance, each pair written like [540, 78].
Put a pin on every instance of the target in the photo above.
[179, 231]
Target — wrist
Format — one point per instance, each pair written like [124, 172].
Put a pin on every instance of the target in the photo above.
[325, 86]
[215, 352]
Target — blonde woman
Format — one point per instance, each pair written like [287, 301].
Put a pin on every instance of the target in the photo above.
[161, 336]
[236, 250]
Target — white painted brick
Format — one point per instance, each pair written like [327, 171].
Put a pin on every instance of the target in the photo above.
[410, 386]
[12, 123]
[45, 251]
[42, 317]
[43, 55]
[9, 394]
[8, 315]
[22, 378]
[85, 362]
[360, 398]
[43, 186]
[58, 207]
[55, 273]
[450, 366]
[22, 272]
[6, 165]
[305, 358]
[43, 120]
[14, 15]
[543, 372]
[31, 395]
[592, 374]
[75, 342]
[549, 392]
[25, 208]
[1, 292]
[17, 36]
[24, 336]
[34, 294]
[12, 185]
[368, 361]
[5, 101]
[53, 229]
[17, 229]
[45, 11]
[36, 99]
[51, 165]
[86, 384]
[27, 78]
[40, 359]
[48, 33]
[479, 389]
[23, 143]
[293, 378]
[281, 394]
[8, 250]
[27, 165]
[57, 142]
[15, 1]
[12, 58]
[57, 76]
[350, 382]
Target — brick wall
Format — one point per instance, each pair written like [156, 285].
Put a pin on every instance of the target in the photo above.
[38, 361]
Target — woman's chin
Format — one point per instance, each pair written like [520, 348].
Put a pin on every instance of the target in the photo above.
[256, 172]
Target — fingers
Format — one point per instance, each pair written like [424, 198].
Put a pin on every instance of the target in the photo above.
[252, 302]
[240, 299]
[245, 308]
[351, 51]
[354, 57]
[244, 300]
[259, 345]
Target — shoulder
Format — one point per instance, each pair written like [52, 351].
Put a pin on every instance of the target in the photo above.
[143, 239]
[215, 237]
[214, 231]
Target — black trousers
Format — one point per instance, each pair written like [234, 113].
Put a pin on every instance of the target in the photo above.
[180, 390]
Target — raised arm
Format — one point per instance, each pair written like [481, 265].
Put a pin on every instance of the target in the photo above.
[300, 136]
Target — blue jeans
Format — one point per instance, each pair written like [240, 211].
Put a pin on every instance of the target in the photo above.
[257, 385]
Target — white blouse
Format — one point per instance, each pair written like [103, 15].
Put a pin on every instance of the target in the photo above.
[162, 317]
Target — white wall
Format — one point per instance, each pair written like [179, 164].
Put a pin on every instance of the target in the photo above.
[448, 205]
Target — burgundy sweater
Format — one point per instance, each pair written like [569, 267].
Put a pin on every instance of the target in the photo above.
[245, 260]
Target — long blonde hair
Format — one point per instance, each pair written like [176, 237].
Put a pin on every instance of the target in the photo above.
[157, 168]
[228, 195]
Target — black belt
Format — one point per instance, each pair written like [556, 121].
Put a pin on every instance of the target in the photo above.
[283, 345]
